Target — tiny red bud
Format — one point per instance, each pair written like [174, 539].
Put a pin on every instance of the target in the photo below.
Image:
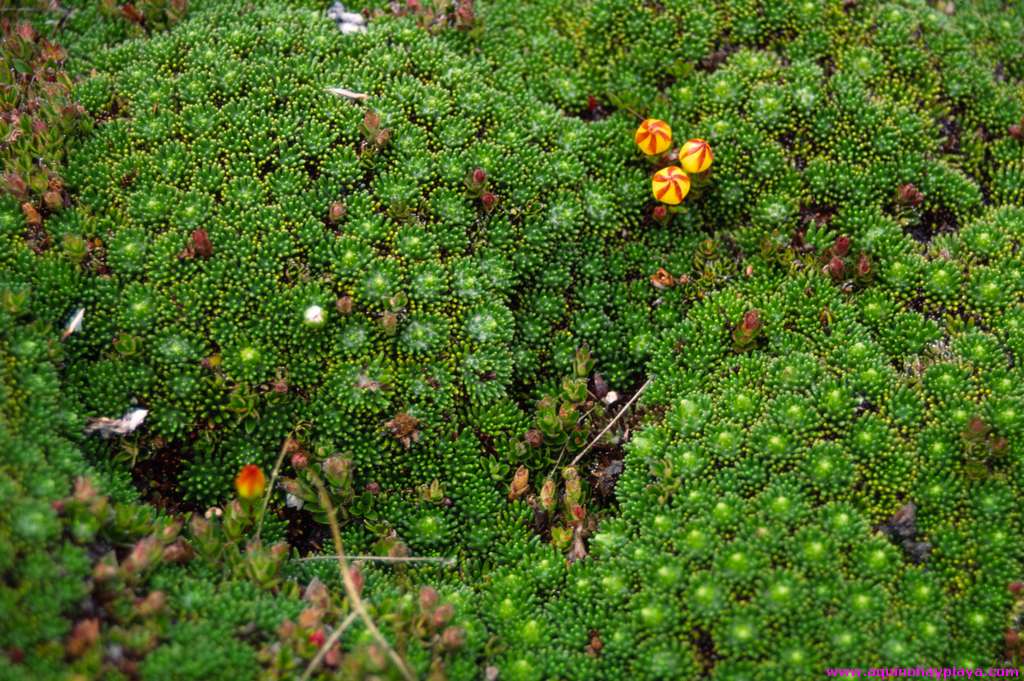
[299, 461]
[151, 604]
[751, 321]
[344, 305]
[836, 267]
[1016, 131]
[26, 32]
[453, 638]
[371, 121]
[104, 572]
[488, 200]
[16, 185]
[842, 246]
[1016, 587]
[464, 14]
[479, 175]
[659, 213]
[863, 265]
[178, 552]
[910, 195]
[591, 103]
[357, 579]
[53, 200]
[442, 615]
[286, 629]
[317, 638]
[336, 212]
[373, 488]
[428, 597]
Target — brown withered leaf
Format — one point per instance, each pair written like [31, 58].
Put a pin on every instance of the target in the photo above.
[32, 215]
[662, 279]
[405, 429]
[132, 14]
[83, 636]
[520, 483]
[201, 245]
[578, 550]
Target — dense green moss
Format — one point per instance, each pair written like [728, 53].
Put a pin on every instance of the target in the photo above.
[825, 465]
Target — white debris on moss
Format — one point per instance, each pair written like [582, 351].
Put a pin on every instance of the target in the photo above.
[348, 22]
[349, 94]
[74, 324]
[314, 315]
[107, 426]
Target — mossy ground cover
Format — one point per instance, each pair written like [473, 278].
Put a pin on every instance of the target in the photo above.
[775, 429]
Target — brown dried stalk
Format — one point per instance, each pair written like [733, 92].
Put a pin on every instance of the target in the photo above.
[346, 578]
[612, 422]
[314, 664]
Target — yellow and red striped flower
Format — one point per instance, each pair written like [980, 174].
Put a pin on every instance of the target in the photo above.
[250, 482]
[670, 185]
[695, 156]
[653, 137]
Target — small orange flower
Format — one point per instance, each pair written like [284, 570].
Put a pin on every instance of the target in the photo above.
[653, 137]
[695, 156]
[250, 482]
[670, 185]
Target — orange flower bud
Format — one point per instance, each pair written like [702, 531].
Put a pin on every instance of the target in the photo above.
[250, 482]
[695, 156]
[670, 185]
[653, 137]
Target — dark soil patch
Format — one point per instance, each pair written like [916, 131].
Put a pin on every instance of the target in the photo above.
[593, 111]
[939, 221]
[605, 472]
[951, 129]
[156, 478]
[714, 60]
[305, 534]
[819, 215]
[705, 645]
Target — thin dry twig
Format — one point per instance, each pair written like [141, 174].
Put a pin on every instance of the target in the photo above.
[561, 453]
[346, 578]
[389, 559]
[612, 422]
[348, 94]
[314, 664]
[270, 487]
